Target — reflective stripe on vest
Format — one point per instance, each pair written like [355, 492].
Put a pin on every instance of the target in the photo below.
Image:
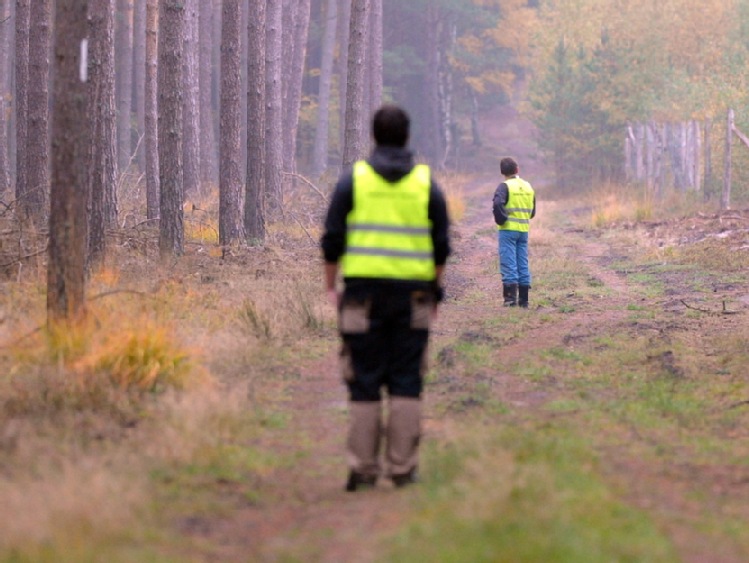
[519, 205]
[388, 231]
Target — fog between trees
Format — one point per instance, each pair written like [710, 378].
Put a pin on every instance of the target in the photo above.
[189, 98]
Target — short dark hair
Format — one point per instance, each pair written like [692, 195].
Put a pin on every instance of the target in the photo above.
[508, 166]
[390, 126]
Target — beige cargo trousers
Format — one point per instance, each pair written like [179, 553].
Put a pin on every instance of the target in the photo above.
[384, 333]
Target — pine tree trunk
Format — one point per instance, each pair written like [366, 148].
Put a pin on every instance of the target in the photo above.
[35, 205]
[124, 77]
[287, 24]
[151, 132]
[4, 83]
[67, 232]
[245, 8]
[353, 146]
[322, 129]
[171, 81]
[207, 137]
[344, 32]
[273, 103]
[431, 137]
[374, 55]
[255, 189]
[230, 227]
[21, 102]
[102, 111]
[139, 78]
[293, 101]
[191, 111]
[708, 156]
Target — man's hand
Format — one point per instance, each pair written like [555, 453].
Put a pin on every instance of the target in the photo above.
[330, 274]
[334, 297]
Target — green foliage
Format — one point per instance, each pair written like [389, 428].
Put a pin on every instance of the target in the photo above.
[599, 65]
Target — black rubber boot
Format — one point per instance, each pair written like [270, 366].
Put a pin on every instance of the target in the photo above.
[405, 479]
[523, 296]
[510, 291]
[357, 481]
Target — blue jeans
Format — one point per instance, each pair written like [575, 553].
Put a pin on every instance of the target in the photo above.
[513, 257]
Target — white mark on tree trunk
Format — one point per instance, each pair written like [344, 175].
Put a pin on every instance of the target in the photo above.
[84, 61]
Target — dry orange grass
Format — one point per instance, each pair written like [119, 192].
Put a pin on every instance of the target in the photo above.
[616, 203]
[452, 184]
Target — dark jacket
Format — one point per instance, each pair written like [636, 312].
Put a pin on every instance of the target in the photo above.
[392, 163]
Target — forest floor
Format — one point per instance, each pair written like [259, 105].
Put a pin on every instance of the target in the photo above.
[607, 422]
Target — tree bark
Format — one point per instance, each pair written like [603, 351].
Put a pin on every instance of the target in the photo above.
[21, 102]
[273, 102]
[124, 77]
[322, 128]
[35, 205]
[4, 84]
[67, 239]
[245, 8]
[288, 17]
[139, 79]
[207, 137]
[191, 111]
[431, 135]
[102, 111]
[374, 55]
[293, 101]
[230, 227]
[353, 146]
[171, 80]
[344, 25]
[151, 130]
[255, 188]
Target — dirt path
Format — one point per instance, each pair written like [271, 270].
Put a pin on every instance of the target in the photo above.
[304, 506]
[303, 513]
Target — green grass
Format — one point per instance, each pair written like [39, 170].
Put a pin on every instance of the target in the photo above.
[529, 493]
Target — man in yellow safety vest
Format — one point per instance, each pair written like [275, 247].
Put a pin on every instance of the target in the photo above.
[514, 205]
[386, 233]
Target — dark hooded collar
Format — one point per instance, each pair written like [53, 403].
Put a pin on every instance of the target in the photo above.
[392, 163]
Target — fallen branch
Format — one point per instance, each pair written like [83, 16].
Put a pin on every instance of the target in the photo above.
[118, 291]
[303, 228]
[739, 404]
[309, 183]
[725, 311]
[22, 258]
[733, 218]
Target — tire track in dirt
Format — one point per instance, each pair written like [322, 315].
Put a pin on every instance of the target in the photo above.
[476, 274]
[653, 488]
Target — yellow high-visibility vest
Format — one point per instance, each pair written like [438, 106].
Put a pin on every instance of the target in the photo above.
[519, 206]
[388, 231]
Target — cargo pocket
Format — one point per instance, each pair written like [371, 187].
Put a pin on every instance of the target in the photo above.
[422, 306]
[345, 363]
[354, 316]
